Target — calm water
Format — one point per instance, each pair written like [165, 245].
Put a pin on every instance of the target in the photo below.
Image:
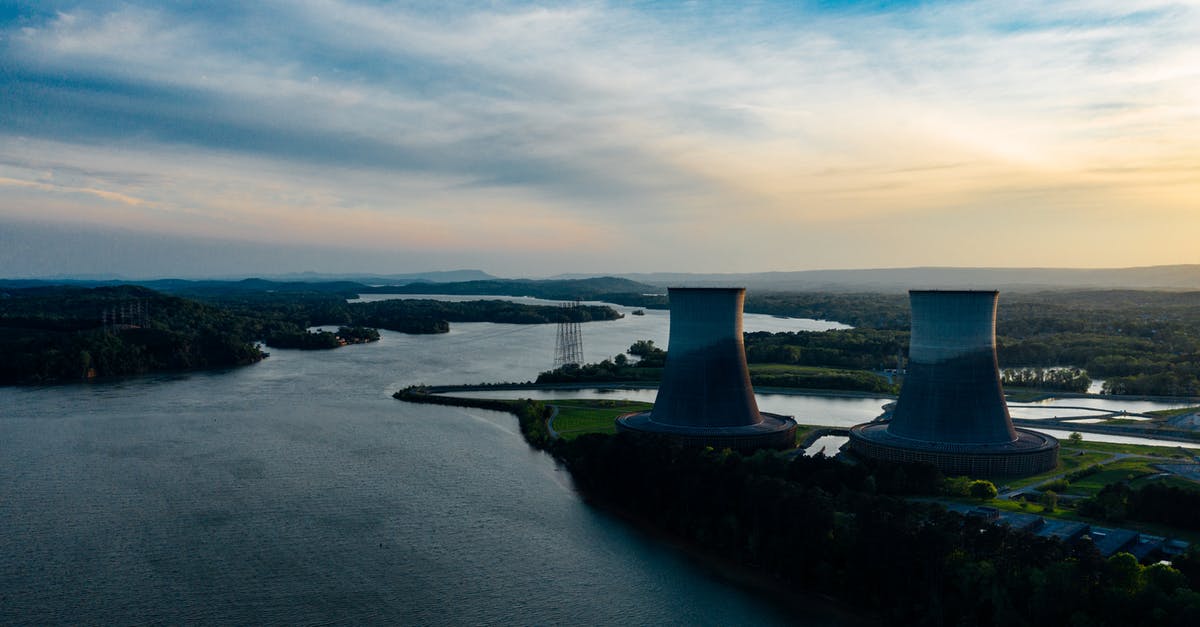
[297, 491]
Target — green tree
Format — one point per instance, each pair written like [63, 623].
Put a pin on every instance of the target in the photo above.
[1124, 573]
[983, 490]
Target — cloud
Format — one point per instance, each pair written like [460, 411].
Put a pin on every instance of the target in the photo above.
[670, 133]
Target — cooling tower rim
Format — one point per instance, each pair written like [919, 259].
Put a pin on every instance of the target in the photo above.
[992, 292]
[642, 422]
[1028, 441]
[709, 290]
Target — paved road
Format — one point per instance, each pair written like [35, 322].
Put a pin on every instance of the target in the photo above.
[550, 422]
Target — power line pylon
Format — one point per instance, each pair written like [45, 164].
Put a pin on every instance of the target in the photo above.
[568, 346]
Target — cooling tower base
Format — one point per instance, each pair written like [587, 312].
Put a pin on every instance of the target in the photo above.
[1030, 454]
[774, 432]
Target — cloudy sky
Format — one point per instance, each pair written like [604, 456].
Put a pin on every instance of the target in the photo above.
[152, 138]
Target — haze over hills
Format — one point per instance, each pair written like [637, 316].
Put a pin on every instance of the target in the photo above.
[886, 280]
[1175, 277]
[438, 276]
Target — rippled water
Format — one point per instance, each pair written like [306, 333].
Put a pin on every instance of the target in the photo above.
[297, 491]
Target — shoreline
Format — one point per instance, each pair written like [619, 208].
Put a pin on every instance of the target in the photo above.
[788, 597]
[639, 385]
[651, 385]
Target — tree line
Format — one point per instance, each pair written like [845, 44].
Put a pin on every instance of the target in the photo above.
[62, 333]
[652, 360]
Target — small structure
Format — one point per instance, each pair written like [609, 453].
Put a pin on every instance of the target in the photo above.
[951, 411]
[1112, 541]
[705, 398]
[1065, 531]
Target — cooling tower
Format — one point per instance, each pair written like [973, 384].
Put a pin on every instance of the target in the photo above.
[705, 397]
[951, 410]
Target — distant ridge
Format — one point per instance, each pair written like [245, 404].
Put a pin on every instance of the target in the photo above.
[1177, 277]
[437, 276]
[592, 288]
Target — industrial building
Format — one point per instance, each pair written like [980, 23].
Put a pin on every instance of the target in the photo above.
[705, 398]
[951, 410]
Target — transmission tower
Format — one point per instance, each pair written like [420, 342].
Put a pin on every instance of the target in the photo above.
[568, 347]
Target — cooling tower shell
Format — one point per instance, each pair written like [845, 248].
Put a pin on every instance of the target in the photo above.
[951, 410]
[705, 397]
[952, 389]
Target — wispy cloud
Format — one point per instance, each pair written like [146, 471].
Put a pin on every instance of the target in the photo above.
[766, 135]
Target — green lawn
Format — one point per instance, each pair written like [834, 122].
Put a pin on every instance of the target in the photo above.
[1122, 470]
[1025, 395]
[802, 432]
[578, 416]
[1171, 413]
[1137, 449]
[1070, 514]
[1069, 460]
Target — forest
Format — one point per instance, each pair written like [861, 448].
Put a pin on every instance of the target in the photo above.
[855, 532]
[65, 333]
[1139, 342]
[845, 531]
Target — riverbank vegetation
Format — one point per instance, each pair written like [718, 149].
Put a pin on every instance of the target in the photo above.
[780, 375]
[64, 333]
[320, 339]
[1139, 342]
[853, 533]
[531, 415]
[56, 334]
[578, 417]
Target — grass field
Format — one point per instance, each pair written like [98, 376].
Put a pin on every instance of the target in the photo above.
[576, 417]
[1069, 460]
[1136, 449]
[579, 416]
[1171, 413]
[1069, 514]
[1122, 470]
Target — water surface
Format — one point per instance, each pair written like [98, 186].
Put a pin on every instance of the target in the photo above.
[297, 491]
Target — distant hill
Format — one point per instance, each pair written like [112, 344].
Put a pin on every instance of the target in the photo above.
[562, 289]
[887, 280]
[439, 276]
[555, 289]
[1180, 277]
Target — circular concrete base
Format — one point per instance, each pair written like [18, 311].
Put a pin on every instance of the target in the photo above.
[1030, 454]
[774, 432]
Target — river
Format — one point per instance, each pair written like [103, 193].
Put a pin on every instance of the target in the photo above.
[296, 490]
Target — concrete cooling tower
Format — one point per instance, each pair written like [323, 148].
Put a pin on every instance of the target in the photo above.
[951, 410]
[705, 398]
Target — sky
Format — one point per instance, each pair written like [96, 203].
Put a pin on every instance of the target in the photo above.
[530, 139]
